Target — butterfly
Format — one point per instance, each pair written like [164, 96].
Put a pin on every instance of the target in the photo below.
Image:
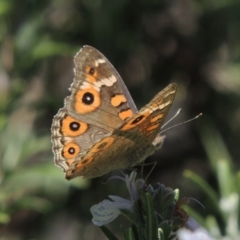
[99, 129]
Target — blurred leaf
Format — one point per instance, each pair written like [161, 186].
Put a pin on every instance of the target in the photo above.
[4, 218]
[205, 187]
[48, 48]
[28, 35]
[34, 203]
[195, 215]
[5, 7]
[213, 143]
[226, 178]
[45, 176]
[213, 226]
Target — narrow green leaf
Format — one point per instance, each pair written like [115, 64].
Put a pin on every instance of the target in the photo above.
[238, 182]
[213, 227]
[130, 235]
[213, 143]
[124, 231]
[204, 186]
[151, 219]
[47, 48]
[225, 177]
[199, 218]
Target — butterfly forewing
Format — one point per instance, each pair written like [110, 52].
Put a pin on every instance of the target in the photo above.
[150, 118]
[94, 75]
[158, 109]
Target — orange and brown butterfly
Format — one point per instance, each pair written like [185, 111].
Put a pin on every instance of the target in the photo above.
[99, 129]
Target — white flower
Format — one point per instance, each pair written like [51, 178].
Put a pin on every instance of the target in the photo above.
[198, 234]
[106, 211]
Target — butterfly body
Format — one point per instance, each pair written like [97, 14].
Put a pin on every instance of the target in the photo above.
[99, 129]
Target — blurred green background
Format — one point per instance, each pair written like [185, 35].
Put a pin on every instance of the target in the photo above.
[151, 43]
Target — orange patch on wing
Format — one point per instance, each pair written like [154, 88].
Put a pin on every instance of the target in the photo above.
[149, 129]
[72, 127]
[135, 122]
[125, 114]
[118, 99]
[71, 150]
[91, 77]
[93, 152]
[86, 160]
[103, 144]
[84, 108]
[156, 118]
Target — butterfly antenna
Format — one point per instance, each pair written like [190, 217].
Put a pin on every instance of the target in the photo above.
[178, 111]
[199, 115]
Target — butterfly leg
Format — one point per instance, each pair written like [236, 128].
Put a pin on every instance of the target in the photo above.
[106, 179]
[142, 165]
[153, 166]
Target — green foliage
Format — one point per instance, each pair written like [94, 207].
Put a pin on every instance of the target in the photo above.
[153, 215]
[224, 204]
[26, 181]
